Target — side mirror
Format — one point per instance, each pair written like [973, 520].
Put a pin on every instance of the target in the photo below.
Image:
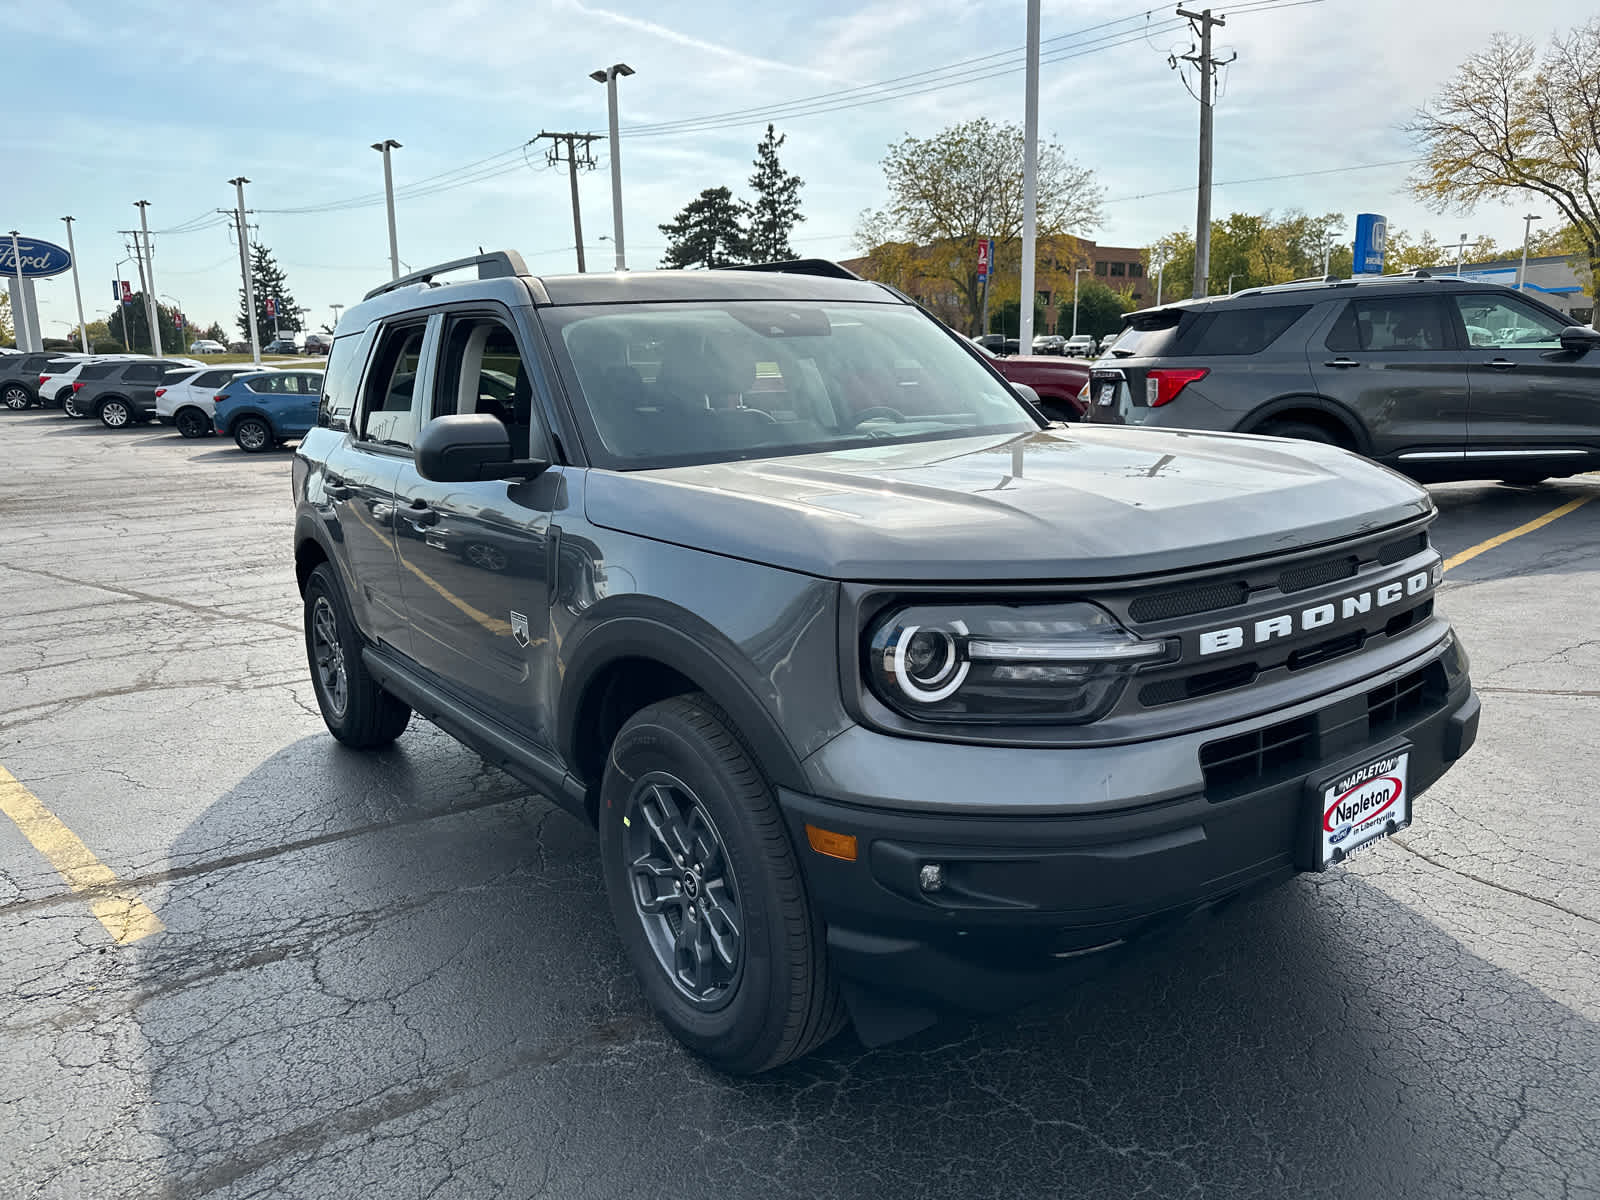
[1579, 339]
[467, 447]
[1028, 394]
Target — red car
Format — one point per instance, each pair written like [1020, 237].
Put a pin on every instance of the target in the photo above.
[1060, 382]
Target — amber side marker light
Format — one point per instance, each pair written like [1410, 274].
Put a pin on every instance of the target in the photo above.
[834, 845]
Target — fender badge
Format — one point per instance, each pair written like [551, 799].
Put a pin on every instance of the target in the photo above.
[519, 628]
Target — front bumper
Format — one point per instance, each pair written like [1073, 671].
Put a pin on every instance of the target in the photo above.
[1025, 897]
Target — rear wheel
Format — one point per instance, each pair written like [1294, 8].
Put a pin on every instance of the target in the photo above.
[251, 435]
[16, 397]
[707, 895]
[1303, 431]
[69, 404]
[192, 423]
[354, 706]
[116, 414]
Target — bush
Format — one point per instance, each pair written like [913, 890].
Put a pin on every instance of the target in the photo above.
[108, 346]
[58, 344]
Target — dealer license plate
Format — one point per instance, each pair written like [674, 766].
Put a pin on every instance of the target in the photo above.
[1361, 806]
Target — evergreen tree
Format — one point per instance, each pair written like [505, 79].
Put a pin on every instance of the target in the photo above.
[708, 232]
[776, 210]
[269, 282]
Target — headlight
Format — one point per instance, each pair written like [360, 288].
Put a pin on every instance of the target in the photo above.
[1002, 664]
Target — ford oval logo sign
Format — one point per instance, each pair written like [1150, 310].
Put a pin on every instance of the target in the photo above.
[39, 259]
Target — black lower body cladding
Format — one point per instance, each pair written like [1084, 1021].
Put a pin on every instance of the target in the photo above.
[1019, 901]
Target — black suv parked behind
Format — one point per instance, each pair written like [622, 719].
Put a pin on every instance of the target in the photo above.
[120, 393]
[1440, 378]
[19, 376]
[885, 697]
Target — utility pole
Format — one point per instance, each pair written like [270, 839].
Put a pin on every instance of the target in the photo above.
[384, 147]
[77, 292]
[1527, 229]
[1203, 21]
[19, 302]
[1030, 180]
[1461, 255]
[553, 157]
[608, 76]
[152, 310]
[137, 250]
[244, 269]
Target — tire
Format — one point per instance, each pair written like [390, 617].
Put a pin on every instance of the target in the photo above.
[69, 405]
[16, 397]
[251, 435]
[354, 706]
[1301, 431]
[751, 999]
[115, 413]
[192, 423]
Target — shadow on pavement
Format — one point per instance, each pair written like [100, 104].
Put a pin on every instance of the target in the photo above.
[438, 1001]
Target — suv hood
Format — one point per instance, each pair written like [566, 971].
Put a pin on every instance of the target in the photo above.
[1085, 503]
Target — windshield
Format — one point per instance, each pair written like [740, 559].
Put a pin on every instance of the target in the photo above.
[669, 384]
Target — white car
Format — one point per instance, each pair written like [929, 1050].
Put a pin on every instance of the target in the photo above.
[207, 346]
[1080, 344]
[187, 397]
[54, 388]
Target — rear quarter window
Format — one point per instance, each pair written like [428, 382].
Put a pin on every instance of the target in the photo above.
[1243, 330]
[96, 371]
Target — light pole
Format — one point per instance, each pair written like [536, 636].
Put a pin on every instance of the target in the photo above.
[336, 308]
[1461, 255]
[1161, 278]
[244, 269]
[122, 308]
[1527, 228]
[1030, 179]
[1231, 278]
[608, 76]
[177, 307]
[77, 294]
[1076, 271]
[383, 148]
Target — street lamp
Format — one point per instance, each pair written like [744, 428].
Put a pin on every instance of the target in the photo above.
[122, 308]
[383, 148]
[1231, 278]
[1076, 271]
[608, 76]
[1461, 255]
[1527, 228]
[336, 308]
[177, 307]
[77, 294]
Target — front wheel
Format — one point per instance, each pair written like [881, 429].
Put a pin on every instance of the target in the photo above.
[192, 423]
[706, 893]
[354, 705]
[15, 397]
[251, 435]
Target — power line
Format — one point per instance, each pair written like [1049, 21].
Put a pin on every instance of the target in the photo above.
[1394, 162]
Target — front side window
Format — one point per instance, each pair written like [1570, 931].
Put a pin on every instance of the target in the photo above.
[1412, 323]
[681, 383]
[1503, 323]
[481, 370]
[341, 379]
[389, 414]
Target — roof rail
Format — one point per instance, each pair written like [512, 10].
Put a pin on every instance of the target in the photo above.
[796, 266]
[496, 264]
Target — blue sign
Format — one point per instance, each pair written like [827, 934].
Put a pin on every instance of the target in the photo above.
[1371, 233]
[39, 259]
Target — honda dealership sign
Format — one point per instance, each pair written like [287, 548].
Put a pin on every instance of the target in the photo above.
[1371, 232]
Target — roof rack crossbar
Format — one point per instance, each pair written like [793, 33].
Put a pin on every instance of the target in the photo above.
[496, 264]
[796, 266]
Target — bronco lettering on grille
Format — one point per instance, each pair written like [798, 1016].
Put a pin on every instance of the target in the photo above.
[1287, 624]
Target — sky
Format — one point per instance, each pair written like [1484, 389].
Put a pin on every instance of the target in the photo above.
[118, 102]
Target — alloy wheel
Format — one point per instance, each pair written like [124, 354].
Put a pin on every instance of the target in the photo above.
[251, 435]
[684, 889]
[114, 413]
[328, 651]
[16, 398]
[192, 423]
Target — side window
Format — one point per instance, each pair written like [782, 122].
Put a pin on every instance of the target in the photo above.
[265, 384]
[210, 379]
[481, 371]
[340, 381]
[1503, 323]
[388, 409]
[310, 385]
[1247, 330]
[142, 373]
[1395, 323]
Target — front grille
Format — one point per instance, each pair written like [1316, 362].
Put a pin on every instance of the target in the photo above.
[1248, 762]
[1393, 552]
[1396, 703]
[1191, 687]
[1164, 606]
[1329, 570]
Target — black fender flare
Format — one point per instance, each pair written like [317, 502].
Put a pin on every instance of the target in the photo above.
[705, 657]
[1333, 409]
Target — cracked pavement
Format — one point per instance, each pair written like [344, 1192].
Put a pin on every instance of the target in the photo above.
[395, 974]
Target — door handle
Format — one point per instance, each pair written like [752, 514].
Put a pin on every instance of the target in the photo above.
[336, 487]
[1341, 361]
[1500, 364]
[419, 515]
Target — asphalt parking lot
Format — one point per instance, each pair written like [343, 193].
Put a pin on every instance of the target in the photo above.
[395, 975]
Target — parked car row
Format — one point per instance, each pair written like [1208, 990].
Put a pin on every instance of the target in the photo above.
[259, 407]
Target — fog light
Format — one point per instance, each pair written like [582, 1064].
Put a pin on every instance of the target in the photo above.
[931, 877]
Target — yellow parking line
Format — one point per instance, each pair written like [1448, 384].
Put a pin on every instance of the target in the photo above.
[125, 916]
[1455, 560]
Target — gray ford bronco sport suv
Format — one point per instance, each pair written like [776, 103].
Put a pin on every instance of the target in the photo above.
[887, 697]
